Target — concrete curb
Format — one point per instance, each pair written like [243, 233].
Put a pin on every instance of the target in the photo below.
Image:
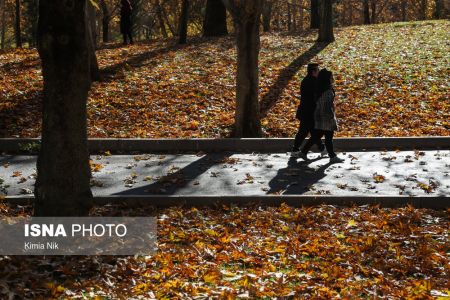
[271, 145]
[297, 201]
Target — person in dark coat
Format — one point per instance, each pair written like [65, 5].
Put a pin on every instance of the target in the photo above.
[125, 21]
[325, 122]
[305, 111]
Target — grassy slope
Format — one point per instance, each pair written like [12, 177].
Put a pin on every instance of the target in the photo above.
[392, 80]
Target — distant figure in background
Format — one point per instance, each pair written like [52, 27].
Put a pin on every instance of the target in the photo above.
[325, 122]
[125, 21]
[305, 111]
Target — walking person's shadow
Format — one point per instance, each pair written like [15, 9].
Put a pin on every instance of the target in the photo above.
[297, 177]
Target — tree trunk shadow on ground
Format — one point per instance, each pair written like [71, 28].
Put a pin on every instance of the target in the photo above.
[273, 95]
[25, 112]
[22, 65]
[108, 73]
[169, 184]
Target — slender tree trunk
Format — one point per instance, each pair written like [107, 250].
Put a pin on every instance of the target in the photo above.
[184, 22]
[171, 28]
[63, 173]
[17, 28]
[366, 12]
[105, 21]
[267, 15]
[326, 21]
[105, 29]
[276, 22]
[92, 36]
[215, 22]
[92, 23]
[3, 28]
[404, 5]
[289, 15]
[350, 14]
[315, 19]
[162, 25]
[302, 15]
[294, 16]
[437, 14]
[343, 15]
[30, 21]
[423, 9]
[373, 19]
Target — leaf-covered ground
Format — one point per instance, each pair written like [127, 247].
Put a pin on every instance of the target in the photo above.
[320, 252]
[392, 80]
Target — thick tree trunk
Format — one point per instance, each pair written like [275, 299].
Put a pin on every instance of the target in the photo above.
[366, 12]
[247, 117]
[63, 173]
[184, 22]
[215, 22]
[326, 21]
[17, 28]
[315, 18]
[267, 15]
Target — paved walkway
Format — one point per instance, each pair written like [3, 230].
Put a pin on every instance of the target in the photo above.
[408, 173]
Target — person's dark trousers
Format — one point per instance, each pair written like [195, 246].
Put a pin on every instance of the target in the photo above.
[127, 36]
[126, 29]
[306, 127]
[316, 135]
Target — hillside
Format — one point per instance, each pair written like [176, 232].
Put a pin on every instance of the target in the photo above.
[392, 80]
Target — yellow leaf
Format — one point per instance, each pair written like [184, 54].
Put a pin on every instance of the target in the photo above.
[351, 223]
[211, 277]
[340, 236]
[211, 232]
[60, 289]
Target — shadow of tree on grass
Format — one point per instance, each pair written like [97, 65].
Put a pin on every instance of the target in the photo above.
[273, 95]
